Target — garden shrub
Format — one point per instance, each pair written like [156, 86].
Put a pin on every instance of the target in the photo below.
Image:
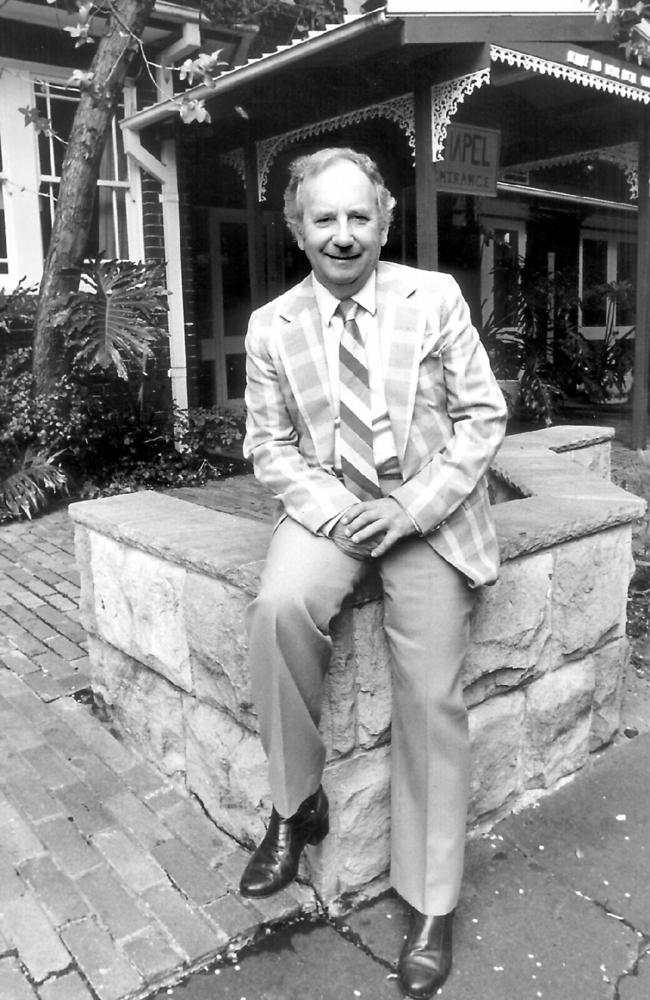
[94, 433]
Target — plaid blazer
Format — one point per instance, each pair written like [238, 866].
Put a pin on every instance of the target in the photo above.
[446, 410]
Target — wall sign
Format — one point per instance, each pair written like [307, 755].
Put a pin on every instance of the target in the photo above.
[470, 161]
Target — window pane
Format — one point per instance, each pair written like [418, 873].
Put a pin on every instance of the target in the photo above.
[626, 271]
[46, 205]
[108, 231]
[235, 375]
[506, 256]
[594, 274]
[108, 226]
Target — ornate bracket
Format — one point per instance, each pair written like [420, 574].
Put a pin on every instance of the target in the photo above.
[235, 159]
[399, 110]
[445, 98]
[625, 156]
[537, 64]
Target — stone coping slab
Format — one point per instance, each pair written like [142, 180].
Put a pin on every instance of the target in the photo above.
[565, 437]
[558, 500]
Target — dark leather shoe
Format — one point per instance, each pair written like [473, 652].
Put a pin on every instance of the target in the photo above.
[275, 862]
[425, 961]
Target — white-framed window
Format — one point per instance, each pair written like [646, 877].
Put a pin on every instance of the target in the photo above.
[606, 257]
[109, 229]
[504, 247]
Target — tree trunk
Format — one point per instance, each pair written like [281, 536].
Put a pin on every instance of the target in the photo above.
[78, 185]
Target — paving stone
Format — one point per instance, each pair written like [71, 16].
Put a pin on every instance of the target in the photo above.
[33, 799]
[27, 927]
[193, 876]
[12, 886]
[28, 644]
[103, 743]
[19, 663]
[18, 839]
[164, 800]
[52, 616]
[85, 807]
[63, 602]
[13, 984]
[189, 930]
[233, 864]
[63, 647]
[188, 821]
[107, 970]
[152, 954]
[75, 682]
[107, 897]
[31, 706]
[14, 764]
[56, 892]
[40, 629]
[52, 663]
[96, 773]
[9, 684]
[144, 780]
[46, 687]
[233, 916]
[56, 734]
[53, 770]
[18, 734]
[134, 865]
[68, 987]
[133, 815]
[68, 848]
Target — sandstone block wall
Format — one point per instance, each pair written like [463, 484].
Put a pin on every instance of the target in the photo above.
[165, 584]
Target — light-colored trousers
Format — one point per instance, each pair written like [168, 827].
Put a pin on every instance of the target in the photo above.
[427, 604]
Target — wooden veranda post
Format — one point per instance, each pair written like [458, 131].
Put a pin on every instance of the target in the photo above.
[642, 338]
[255, 228]
[426, 193]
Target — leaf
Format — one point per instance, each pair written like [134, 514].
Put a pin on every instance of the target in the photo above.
[24, 490]
[116, 322]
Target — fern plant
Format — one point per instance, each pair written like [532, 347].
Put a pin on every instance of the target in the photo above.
[26, 483]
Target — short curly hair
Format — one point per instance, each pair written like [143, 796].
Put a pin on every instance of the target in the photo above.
[305, 167]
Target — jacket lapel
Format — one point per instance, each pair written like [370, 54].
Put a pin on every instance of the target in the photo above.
[302, 349]
[401, 332]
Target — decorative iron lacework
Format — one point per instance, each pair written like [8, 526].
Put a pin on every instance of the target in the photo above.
[625, 156]
[445, 98]
[235, 159]
[537, 64]
[399, 110]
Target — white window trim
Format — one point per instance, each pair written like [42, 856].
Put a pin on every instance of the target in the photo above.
[21, 176]
[611, 237]
[487, 257]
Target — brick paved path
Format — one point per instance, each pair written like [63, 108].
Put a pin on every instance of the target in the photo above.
[112, 881]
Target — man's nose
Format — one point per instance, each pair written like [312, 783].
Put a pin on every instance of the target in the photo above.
[342, 236]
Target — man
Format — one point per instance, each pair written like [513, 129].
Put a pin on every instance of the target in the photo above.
[373, 416]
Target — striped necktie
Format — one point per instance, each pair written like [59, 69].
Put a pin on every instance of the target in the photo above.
[357, 461]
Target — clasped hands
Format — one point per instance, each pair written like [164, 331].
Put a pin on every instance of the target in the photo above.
[372, 527]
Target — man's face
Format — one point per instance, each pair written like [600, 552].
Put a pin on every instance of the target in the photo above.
[341, 232]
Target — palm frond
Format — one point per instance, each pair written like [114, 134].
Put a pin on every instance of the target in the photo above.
[24, 491]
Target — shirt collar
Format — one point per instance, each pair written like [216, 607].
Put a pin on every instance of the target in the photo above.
[328, 303]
